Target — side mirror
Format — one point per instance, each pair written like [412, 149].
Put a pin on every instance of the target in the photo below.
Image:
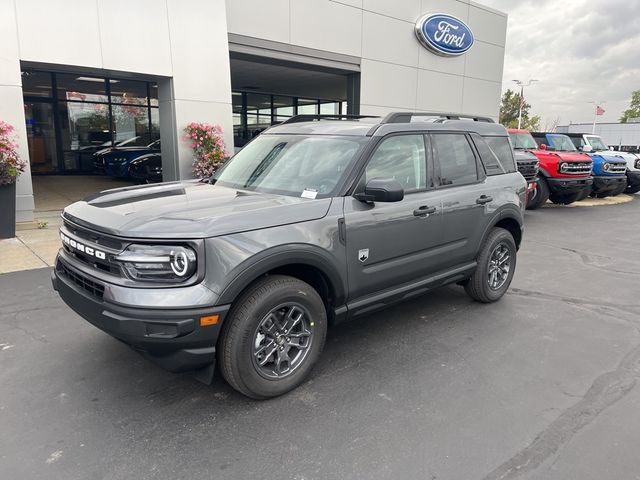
[587, 148]
[543, 146]
[381, 190]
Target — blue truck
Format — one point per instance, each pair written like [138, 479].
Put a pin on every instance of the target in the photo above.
[609, 171]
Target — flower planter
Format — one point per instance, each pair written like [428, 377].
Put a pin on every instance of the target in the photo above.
[8, 211]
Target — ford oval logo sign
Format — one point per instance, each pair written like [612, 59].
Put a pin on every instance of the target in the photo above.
[444, 34]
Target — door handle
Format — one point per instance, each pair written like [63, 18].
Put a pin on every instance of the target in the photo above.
[423, 211]
[484, 199]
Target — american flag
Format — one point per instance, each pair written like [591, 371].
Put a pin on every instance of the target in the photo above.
[599, 110]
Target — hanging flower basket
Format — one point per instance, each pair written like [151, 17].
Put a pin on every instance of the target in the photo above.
[209, 150]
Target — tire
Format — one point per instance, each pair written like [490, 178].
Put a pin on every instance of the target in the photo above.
[478, 287]
[584, 194]
[619, 190]
[253, 329]
[631, 190]
[564, 199]
[541, 196]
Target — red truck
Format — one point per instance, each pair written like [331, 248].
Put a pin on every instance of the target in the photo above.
[563, 176]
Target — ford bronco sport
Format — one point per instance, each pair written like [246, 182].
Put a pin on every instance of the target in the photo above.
[314, 221]
[563, 175]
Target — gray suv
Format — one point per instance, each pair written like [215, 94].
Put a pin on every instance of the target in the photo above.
[315, 221]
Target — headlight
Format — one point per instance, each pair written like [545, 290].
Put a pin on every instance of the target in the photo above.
[637, 165]
[564, 166]
[158, 263]
[606, 166]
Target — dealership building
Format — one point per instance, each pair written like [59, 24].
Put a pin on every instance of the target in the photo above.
[79, 75]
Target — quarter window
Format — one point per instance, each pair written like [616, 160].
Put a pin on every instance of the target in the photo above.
[501, 146]
[457, 161]
[491, 163]
[401, 157]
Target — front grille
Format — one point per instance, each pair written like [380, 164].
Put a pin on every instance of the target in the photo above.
[81, 281]
[98, 241]
[617, 168]
[577, 168]
[529, 170]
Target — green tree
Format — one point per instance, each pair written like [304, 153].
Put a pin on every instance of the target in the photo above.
[634, 108]
[509, 107]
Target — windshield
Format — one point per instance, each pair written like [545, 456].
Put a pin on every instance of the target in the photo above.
[523, 141]
[597, 143]
[561, 143]
[296, 165]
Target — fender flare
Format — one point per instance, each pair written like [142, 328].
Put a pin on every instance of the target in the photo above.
[282, 256]
[507, 212]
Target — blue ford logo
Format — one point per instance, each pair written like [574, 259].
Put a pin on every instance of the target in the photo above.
[444, 34]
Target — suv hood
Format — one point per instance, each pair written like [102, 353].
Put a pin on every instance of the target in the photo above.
[565, 156]
[524, 156]
[186, 210]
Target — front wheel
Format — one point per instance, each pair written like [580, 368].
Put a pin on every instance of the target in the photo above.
[631, 190]
[273, 337]
[540, 195]
[496, 266]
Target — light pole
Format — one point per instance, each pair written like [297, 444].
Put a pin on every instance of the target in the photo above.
[595, 115]
[522, 84]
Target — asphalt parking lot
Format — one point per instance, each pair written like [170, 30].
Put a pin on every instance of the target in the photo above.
[541, 385]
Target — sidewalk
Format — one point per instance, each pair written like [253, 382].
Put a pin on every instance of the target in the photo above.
[37, 243]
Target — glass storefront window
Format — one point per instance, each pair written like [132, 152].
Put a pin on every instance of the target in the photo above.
[307, 106]
[329, 108]
[84, 129]
[282, 108]
[153, 95]
[236, 100]
[41, 136]
[128, 92]
[36, 84]
[131, 123]
[81, 88]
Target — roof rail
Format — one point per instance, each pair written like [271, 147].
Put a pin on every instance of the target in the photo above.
[309, 117]
[405, 117]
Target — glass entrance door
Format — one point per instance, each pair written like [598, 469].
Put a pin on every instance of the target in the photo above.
[41, 137]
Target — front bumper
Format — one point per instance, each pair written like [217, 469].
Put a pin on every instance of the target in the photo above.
[633, 178]
[564, 186]
[604, 183]
[172, 338]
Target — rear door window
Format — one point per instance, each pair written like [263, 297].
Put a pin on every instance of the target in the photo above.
[455, 159]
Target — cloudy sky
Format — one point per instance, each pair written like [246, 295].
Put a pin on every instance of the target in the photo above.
[580, 50]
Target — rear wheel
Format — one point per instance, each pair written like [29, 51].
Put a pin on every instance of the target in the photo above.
[496, 266]
[540, 195]
[273, 337]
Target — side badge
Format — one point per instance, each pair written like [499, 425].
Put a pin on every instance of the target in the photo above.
[363, 254]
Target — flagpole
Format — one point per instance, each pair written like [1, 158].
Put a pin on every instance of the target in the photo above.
[596, 104]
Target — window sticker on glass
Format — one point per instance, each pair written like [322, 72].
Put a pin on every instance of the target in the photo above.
[309, 193]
